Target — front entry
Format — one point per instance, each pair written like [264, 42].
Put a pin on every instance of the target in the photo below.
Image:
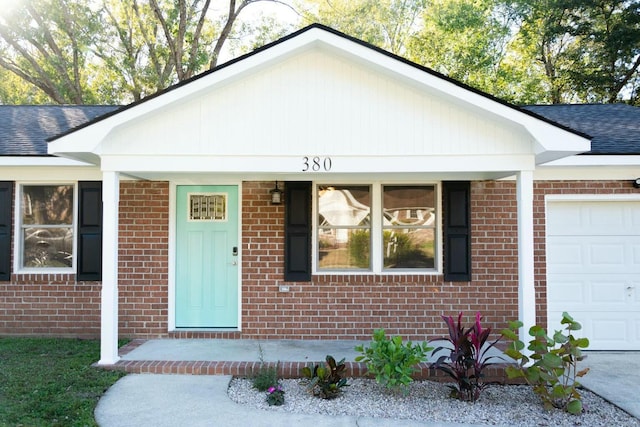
[207, 256]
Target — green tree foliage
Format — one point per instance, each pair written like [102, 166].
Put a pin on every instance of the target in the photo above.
[543, 41]
[586, 51]
[388, 24]
[464, 40]
[14, 90]
[113, 51]
[251, 35]
[609, 34]
[46, 43]
[523, 51]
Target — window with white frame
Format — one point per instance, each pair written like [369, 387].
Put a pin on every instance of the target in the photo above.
[344, 227]
[376, 227]
[46, 226]
[408, 226]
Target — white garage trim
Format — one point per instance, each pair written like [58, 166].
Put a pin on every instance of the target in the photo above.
[550, 198]
[593, 266]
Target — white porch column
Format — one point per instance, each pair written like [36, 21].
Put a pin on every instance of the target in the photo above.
[109, 298]
[526, 288]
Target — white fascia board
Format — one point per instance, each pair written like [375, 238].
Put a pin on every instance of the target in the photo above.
[26, 161]
[587, 173]
[49, 173]
[591, 168]
[596, 160]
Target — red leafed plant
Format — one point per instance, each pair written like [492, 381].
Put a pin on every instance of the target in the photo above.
[468, 356]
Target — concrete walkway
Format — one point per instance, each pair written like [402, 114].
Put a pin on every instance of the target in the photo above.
[201, 400]
[615, 376]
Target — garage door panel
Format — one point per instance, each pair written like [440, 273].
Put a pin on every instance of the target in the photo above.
[609, 292]
[606, 254]
[604, 330]
[593, 254]
[574, 218]
[593, 270]
[568, 293]
[566, 256]
[600, 292]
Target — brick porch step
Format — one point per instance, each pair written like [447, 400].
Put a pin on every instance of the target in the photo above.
[286, 369]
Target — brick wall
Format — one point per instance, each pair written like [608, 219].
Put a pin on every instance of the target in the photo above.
[57, 305]
[143, 259]
[328, 307]
[350, 307]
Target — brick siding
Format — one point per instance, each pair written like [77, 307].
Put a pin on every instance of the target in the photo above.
[329, 307]
[57, 305]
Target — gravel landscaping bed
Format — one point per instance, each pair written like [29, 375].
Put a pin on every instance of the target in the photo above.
[428, 401]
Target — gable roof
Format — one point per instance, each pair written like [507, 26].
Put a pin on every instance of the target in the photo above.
[191, 116]
[323, 28]
[25, 129]
[615, 128]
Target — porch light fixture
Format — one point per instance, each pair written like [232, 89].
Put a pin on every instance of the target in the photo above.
[636, 183]
[276, 195]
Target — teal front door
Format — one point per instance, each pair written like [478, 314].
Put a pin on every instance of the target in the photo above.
[207, 256]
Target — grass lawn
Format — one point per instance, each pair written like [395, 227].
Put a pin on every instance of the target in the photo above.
[50, 381]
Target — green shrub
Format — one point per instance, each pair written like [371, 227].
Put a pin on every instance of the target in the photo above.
[267, 376]
[326, 382]
[391, 361]
[359, 243]
[555, 363]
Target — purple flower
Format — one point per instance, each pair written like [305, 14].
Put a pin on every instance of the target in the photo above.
[273, 389]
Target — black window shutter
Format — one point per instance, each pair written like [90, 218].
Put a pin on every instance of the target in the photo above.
[297, 233]
[6, 197]
[457, 231]
[89, 260]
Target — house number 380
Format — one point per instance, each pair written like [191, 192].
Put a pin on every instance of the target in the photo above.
[316, 164]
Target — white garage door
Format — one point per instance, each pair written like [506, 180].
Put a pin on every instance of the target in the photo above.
[593, 270]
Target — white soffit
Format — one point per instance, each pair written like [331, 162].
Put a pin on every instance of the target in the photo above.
[549, 142]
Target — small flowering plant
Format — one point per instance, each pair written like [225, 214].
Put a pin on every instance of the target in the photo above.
[275, 395]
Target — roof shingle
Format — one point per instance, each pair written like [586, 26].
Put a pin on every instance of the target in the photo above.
[24, 129]
[615, 128]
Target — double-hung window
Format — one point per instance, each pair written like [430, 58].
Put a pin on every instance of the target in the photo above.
[377, 227]
[46, 222]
